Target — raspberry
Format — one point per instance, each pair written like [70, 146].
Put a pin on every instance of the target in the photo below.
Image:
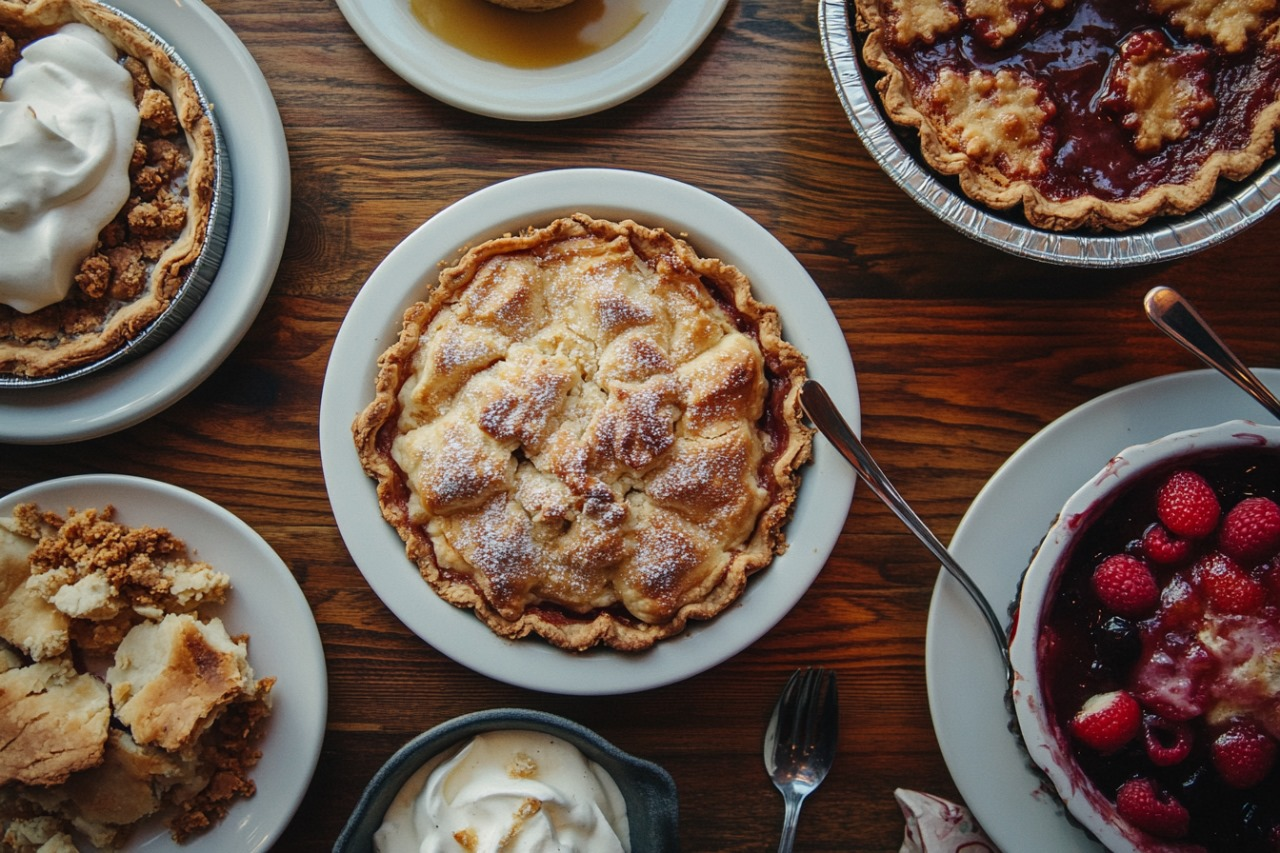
[1243, 755]
[1187, 505]
[1167, 742]
[1152, 809]
[1107, 721]
[1181, 604]
[1124, 584]
[1251, 531]
[1162, 547]
[1227, 588]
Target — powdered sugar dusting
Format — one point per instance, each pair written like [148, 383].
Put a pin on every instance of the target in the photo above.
[593, 437]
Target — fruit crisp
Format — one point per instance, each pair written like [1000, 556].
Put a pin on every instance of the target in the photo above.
[119, 699]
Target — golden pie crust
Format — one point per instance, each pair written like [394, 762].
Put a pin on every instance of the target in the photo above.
[589, 433]
[144, 254]
[1090, 114]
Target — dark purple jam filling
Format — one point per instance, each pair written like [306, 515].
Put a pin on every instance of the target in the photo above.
[1087, 650]
[1070, 53]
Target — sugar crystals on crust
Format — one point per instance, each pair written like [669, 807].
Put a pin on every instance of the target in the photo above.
[587, 432]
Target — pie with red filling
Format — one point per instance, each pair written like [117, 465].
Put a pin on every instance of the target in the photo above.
[1091, 114]
[589, 433]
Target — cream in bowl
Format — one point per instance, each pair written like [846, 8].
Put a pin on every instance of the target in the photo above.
[1147, 645]
[513, 780]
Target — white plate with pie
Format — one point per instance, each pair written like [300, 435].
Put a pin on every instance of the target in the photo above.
[665, 34]
[118, 398]
[265, 603]
[715, 229]
[995, 541]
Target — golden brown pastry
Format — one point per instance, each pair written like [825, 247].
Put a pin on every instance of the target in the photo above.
[175, 726]
[44, 704]
[117, 284]
[589, 433]
[1093, 114]
[170, 678]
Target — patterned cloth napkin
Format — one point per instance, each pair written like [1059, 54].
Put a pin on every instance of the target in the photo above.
[935, 825]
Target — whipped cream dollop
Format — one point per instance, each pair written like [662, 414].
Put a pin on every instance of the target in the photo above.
[509, 791]
[68, 123]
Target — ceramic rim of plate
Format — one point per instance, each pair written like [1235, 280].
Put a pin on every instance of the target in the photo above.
[635, 63]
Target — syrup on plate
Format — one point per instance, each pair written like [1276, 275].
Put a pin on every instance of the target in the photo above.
[529, 39]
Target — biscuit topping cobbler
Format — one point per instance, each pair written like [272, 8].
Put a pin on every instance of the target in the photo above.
[106, 182]
[120, 699]
[1094, 114]
[589, 433]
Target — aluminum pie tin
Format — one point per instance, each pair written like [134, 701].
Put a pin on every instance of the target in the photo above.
[1235, 207]
[199, 275]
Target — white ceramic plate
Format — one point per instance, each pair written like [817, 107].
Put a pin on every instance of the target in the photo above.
[670, 32]
[994, 542]
[114, 399]
[266, 603]
[715, 229]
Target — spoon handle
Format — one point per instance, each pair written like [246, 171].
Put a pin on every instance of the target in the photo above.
[1174, 316]
[817, 404]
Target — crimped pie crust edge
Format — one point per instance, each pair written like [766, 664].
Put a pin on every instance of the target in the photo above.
[767, 539]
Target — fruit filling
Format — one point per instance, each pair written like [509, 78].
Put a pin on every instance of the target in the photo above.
[1161, 652]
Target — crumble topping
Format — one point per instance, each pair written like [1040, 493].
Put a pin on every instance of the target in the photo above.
[143, 255]
[130, 246]
[118, 699]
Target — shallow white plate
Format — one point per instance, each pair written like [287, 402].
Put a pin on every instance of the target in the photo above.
[994, 542]
[121, 397]
[670, 32]
[715, 229]
[266, 604]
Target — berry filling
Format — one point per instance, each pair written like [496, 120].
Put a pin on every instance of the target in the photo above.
[1161, 652]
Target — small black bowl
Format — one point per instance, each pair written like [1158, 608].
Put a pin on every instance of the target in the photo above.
[649, 791]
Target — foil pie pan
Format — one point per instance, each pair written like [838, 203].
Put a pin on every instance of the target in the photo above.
[199, 275]
[1236, 206]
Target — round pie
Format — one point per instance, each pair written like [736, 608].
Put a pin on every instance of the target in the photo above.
[589, 433]
[1094, 114]
[110, 243]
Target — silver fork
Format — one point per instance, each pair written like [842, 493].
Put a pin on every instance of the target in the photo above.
[800, 741]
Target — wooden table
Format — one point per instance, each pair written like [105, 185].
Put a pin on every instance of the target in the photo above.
[962, 354]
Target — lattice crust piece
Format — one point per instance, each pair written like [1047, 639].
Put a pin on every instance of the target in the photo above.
[588, 432]
[1003, 137]
[143, 256]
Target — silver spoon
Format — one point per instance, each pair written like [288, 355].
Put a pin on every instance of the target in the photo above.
[800, 741]
[1174, 316]
[817, 404]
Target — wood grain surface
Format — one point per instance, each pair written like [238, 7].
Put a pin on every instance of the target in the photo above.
[962, 353]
